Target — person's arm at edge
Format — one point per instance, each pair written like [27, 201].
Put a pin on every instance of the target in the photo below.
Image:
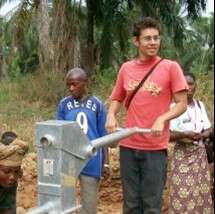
[175, 135]
[190, 136]
[206, 134]
[180, 107]
[207, 124]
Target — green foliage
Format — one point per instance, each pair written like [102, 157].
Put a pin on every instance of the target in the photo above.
[19, 41]
[32, 94]
[33, 98]
[29, 99]
[196, 52]
[46, 87]
[14, 69]
[102, 82]
[111, 25]
[205, 92]
[19, 114]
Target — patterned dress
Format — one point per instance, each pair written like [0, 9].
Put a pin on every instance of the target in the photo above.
[190, 186]
[190, 191]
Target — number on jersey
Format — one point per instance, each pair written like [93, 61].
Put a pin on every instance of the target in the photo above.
[81, 119]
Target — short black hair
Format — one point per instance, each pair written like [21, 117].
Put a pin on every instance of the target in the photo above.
[147, 22]
[8, 137]
[190, 74]
[79, 72]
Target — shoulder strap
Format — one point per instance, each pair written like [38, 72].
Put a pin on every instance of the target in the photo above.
[199, 105]
[127, 104]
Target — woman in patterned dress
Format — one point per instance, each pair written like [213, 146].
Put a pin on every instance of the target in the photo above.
[190, 191]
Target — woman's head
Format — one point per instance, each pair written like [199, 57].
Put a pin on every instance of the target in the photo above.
[10, 162]
[191, 81]
[9, 175]
[77, 83]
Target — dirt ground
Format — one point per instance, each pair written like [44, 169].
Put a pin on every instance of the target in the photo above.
[110, 195]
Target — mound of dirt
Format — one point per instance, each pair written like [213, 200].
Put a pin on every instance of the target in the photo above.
[110, 195]
[27, 188]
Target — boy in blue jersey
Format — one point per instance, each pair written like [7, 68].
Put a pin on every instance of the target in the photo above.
[90, 113]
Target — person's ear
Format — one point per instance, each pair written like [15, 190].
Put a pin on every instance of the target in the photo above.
[136, 41]
[20, 173]
[87, 83]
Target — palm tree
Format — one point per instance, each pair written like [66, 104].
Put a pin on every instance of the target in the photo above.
[66, 23]
[108, 26]
[115, 21]
[1, 45]
[58, 28]
[16, 34]
[204, 32]
[88, 61]
[46, 49]
[198, 49]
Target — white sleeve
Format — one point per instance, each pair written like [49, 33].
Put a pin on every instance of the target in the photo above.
[174, 125]
[174, 122]
[206, 121]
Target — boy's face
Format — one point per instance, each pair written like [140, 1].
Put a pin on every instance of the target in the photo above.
[148, 43]
[9, 176]
[77, 86]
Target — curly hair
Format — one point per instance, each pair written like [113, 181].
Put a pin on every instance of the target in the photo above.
[147, 22]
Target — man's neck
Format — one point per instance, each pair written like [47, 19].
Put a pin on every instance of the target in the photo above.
[142, 58]
[83, 98]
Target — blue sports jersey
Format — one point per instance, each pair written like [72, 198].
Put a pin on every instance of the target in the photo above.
[90, 114]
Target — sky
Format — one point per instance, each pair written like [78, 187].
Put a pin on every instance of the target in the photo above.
[210, 7]
[10, 6]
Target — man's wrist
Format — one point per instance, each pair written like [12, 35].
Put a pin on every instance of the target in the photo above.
[111, 115]
[162, 118]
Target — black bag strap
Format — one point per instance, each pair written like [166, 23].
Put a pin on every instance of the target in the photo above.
[141, 84]
[199, 105]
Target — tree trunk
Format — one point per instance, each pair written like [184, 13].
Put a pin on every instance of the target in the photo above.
[88, 56]
[66, 35]
[46, 49]
[59, 38]
[1, 63]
